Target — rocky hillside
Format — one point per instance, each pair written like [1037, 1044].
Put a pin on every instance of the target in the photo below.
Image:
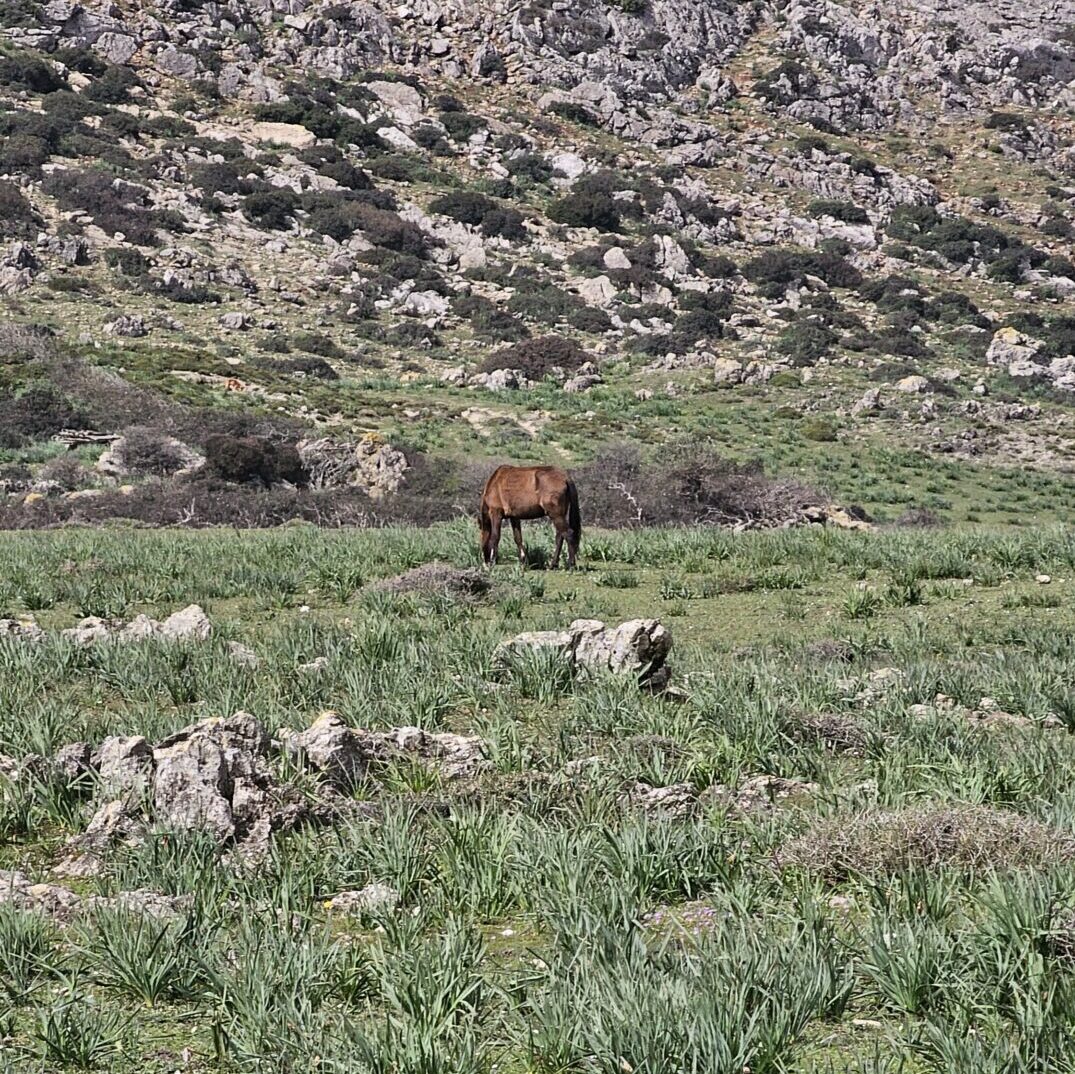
[341, 252]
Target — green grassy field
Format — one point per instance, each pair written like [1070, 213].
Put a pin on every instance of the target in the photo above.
[906, 906]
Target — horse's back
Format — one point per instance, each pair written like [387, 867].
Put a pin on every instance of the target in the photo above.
[525, 491]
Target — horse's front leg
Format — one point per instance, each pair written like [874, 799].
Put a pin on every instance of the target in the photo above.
[494, 538]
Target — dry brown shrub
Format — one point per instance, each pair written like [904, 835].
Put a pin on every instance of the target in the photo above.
[437, 578]
[975, 837]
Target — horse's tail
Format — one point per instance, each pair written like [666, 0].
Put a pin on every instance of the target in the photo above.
[574, 516]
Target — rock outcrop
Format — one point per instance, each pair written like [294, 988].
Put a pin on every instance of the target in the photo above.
[637, 648]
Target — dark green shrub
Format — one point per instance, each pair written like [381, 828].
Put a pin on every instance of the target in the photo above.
[586, 210]
[532, 166]
[845, 211]
[786, 379]
[1006, 121]
[785, 84]
[306, 366]
[908, 222]
[387, 229]
[461, 126]
[1059, 266]
[316, 343]
[228, 177]
[174, 290]
[808, 143]
[270, 209]
[347, 175]
[116, 207]
[113, 87]
[488, 319]
[804, 343]
[18, 218]
[574, 113]
[505, 223]
[129, 262]
[466, 206]
[474, 209]
[83, 60]
[547, 303]
[775, 270]
[823, 430]
[243, 459]
[538, 357]
[22, 71]
[23, 152]
[36, 414]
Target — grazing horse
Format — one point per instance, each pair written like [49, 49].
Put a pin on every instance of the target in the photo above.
[526, 492]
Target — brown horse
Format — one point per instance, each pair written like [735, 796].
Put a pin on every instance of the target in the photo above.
[516, 493]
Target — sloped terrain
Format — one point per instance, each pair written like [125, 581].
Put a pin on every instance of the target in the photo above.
[832, 238]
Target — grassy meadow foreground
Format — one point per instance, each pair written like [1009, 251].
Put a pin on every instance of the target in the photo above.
[875, 870]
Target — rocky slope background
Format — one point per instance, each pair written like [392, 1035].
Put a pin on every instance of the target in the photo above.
[327, 260]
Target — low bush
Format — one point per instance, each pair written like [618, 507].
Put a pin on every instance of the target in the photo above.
[823, 430]
[538, 357]
[685, 483]
[23, 71]
[547, 303]
[804, 342]
[470, 207]
[243, 459]
[776, 270]
[1006, 121]
[227, 177]
[574, 113]
[305, 366]
[489, 319]
[787, 83]
[113, 86]
[461, 126]
[316, 343]
[18, 218]
[116, 206]
[845, 211]
[584, 209]
[37, 413]
[148, 451]
[974, 837]
[528, 165]
[129, 262]
[271, 209]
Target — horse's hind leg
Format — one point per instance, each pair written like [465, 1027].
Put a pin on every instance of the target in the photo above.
[560, 534]
[517, 533]
[495, 521]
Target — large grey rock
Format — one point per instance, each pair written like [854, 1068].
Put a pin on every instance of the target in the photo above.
[344, 754]
[124, 766]
[24, 629]
[214, 776]
[402, 102]
[1010, 346]
[189, 624]
[117, 48]
[638, 647]
[331, 747]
